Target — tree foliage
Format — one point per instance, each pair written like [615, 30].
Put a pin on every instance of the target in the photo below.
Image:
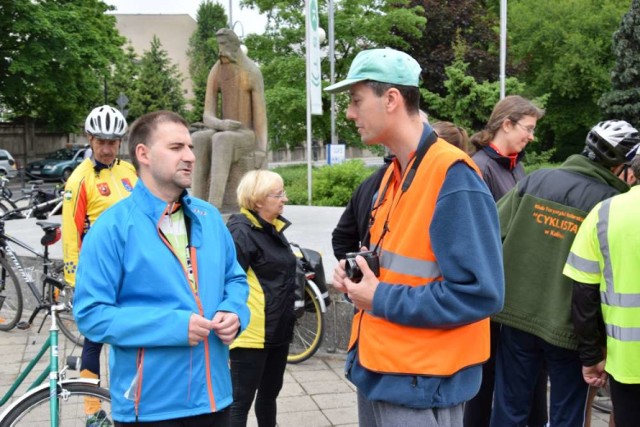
[359, 24]
[158, 86]
[121, 81]
[447, 21]
[203, 51]
[466, 102]
[54, 57]
[563, 48]
[623, 101]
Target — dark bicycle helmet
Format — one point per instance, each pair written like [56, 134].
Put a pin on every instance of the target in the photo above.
[609, 142]
[105, 123]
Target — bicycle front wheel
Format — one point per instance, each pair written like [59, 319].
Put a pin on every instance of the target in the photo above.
[65, 319]
[34, 410]
[308, 330]
[10, 297]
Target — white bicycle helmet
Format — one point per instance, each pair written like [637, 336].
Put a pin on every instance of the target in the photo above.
[105, 123]
[610, 141]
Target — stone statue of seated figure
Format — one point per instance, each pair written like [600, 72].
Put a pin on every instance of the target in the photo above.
[235, 138]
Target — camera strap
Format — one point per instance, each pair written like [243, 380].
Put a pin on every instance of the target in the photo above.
[428, 138]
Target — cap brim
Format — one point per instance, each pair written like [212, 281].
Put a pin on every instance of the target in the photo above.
[342, 86]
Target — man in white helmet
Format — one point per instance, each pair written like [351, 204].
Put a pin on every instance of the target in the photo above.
[97, 183]
[539, 219]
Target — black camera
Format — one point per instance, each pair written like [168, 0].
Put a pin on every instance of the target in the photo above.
[351, 267]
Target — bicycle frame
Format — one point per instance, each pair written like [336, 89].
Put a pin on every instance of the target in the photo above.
[56, 377]
[8, 253]
[50, 343]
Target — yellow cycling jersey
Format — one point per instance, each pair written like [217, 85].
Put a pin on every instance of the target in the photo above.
[88, 192]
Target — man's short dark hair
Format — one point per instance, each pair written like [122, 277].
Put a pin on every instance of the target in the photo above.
[411, 94]
[143, 127]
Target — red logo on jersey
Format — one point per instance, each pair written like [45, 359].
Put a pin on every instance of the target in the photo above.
[103, 188]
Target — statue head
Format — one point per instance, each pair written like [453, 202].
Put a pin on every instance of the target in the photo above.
[228, 44]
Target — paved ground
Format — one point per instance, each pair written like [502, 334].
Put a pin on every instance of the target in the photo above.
[315, 392]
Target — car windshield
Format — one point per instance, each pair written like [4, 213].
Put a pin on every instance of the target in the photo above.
[63, 154]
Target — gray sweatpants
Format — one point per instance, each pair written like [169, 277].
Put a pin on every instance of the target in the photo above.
[382, 414]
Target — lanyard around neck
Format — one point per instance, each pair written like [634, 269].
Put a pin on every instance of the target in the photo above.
[427, 139]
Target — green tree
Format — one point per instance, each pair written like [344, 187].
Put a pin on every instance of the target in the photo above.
[623, 101]
[563, 48]
[280, 52]
[466, 20]
[54, 57]
[125, 72]
[467, 102]
[159, 84]
[203, 51]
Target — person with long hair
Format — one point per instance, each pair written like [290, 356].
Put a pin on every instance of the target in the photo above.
[500, 145]
[500, 149]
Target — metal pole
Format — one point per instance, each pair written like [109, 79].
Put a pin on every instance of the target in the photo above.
[308, 68]
[106, 97]
[332, 73]
[230, 15]
[503, 46]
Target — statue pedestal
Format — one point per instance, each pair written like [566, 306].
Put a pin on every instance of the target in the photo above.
[222, 159]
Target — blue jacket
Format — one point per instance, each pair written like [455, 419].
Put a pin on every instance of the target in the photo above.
[133, 293]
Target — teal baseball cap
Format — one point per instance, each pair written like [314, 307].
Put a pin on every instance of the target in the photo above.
[380, 65]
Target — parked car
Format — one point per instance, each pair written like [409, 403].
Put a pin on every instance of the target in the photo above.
[57, 165]
[7, 164]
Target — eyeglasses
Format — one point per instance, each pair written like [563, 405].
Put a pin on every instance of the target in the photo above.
[530, 129]
[278, 196]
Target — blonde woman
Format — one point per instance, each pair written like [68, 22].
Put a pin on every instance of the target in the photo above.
[259, 355]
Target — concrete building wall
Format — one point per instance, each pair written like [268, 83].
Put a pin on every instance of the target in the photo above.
[173, 31]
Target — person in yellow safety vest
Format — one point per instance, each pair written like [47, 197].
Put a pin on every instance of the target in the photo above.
[604, 263]
[422, 329]
[97, 183]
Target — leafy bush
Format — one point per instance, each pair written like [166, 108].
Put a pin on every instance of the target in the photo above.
[332, 185]
[295, 182]
[534, 161]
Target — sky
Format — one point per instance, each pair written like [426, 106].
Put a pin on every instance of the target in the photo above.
[249, 19]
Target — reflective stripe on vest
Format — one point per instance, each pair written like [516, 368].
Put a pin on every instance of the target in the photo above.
[407, 259]
[609, 296]
[410, 266]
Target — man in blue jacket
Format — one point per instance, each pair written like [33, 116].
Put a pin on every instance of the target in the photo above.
[159, 281]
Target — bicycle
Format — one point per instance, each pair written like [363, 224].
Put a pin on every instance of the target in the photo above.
[37, 407]
[312, 299]
[40, 203]
[7, 202]
[11, 297]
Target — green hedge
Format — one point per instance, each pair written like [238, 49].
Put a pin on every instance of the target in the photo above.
[534, 161]
[332, 185]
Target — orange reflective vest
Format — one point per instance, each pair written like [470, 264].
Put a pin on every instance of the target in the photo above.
[407, 258]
